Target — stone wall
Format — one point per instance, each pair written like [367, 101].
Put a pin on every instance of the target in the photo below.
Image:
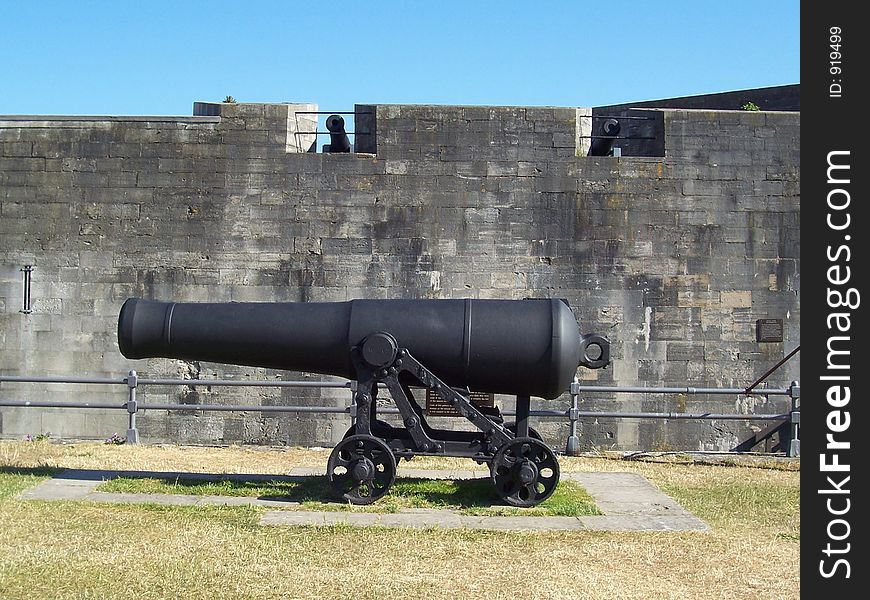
[674, 258]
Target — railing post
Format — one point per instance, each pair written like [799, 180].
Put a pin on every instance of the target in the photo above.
[132, 408]
[352, 408]
[572, 448]
[794, 446]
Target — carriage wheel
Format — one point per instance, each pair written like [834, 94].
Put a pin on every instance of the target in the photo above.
[525, 472]
[361, 469]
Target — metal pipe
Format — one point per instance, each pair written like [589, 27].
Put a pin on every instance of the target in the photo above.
[208, 407]
[684, 390]
[582, 414]
[209, 382]
[549, 414]
[54, 379]
[673, 415]
[243, 408]
[331, 112]
[319, 132]
[618, 137]
[47, 404]
[253, 383]
[623, 117]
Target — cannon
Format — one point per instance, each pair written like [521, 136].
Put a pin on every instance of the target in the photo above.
[338, 140]
[452, 347]
[602, 144]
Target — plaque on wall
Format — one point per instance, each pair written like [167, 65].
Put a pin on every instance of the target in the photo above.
[768, 330]
[436, 406]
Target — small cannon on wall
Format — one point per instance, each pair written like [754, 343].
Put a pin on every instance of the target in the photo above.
[602, 144]
[452, 347]
[338, 140]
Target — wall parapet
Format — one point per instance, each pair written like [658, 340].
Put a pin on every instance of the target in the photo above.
[292, 126]
[448, 132]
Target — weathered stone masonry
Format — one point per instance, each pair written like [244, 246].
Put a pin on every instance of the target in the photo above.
[673, 257]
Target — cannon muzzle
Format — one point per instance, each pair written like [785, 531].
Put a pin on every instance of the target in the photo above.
[522, 347]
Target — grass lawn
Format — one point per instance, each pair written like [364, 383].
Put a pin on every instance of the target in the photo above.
[89, 550]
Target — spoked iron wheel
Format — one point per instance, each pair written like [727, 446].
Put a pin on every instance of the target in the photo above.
[361, 469]
[525, 472]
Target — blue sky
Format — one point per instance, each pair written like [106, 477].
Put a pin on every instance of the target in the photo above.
[158, 57]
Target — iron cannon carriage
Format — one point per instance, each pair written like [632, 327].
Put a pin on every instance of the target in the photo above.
[450, 347]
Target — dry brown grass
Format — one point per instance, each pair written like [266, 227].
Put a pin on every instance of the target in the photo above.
[83, 550]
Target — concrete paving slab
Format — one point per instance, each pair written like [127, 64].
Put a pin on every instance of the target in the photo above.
[242, 501]
[167, 499]
[441, 519]
[625, 493]
[73, 484]
[629, 503]
[687, 522]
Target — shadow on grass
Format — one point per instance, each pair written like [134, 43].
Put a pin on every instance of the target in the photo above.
[34, 471]
[414, 491]
[471, 493]
[461, 493]
[14, 480]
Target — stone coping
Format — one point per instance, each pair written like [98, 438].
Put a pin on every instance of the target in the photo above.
[49, 120]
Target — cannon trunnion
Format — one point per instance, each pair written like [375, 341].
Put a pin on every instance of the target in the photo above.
[451, 347]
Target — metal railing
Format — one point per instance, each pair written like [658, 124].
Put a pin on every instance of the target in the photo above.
[792, 417]
[133, 382]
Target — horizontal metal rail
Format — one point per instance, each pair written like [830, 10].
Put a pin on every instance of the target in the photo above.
[199, 407]
[49, 404]
[60, 379]
[655, 415]
[245, 383]
[683, 390]
[194, 382]
[623, 117]
[332, 112]
[243, 408]
[618, 137]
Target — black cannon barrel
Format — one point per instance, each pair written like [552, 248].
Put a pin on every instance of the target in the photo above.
[523, 347]
[338, 140]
